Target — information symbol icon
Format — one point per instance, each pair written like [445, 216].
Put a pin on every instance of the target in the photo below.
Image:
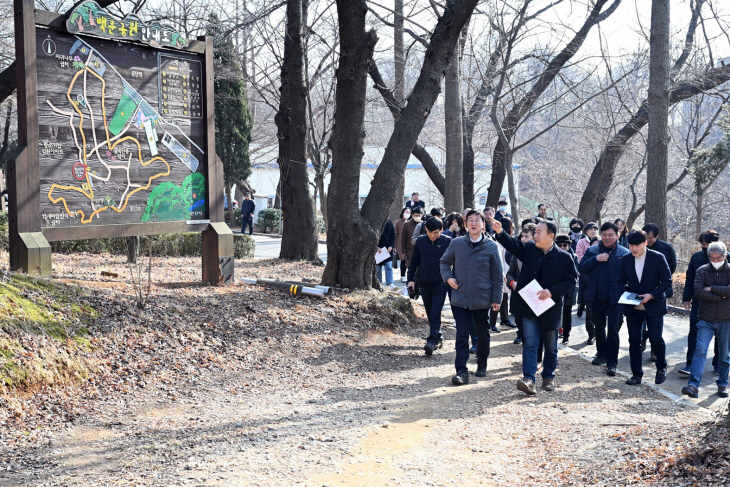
[49, 47]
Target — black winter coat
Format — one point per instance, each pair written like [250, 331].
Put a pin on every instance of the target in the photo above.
[697, 260]
[247, 207]
[714, 304]
[426, 259]
[387, 238]
[554, 271]
[655, 280]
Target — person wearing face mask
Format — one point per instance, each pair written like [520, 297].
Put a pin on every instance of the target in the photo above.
[405, 214]
[502, 211]
[421, 227]
[646, 273]
[691, 304]
[576, 232]
[712, 288]
[601, 266]
[409, 228]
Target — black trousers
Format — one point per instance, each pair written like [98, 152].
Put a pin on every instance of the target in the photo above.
[567, 317]
[503, 313]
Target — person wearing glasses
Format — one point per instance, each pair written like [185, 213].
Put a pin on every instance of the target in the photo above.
[601, 265]
[472, 267]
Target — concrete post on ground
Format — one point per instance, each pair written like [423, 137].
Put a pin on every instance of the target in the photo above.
[218, 254]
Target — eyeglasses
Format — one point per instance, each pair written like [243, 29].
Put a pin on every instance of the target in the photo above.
[563, 245]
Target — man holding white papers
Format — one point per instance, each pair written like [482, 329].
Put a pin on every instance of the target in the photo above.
[554, 270]
[601, 265]
[646, 273]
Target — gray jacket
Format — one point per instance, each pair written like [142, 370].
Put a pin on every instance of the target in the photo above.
[478, 271]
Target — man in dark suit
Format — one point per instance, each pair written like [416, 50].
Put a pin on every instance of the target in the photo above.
[555, 271]
[646, 273]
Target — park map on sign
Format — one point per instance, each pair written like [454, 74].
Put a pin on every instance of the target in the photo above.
[121, 132]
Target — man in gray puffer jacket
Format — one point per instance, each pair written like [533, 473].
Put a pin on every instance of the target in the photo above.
[712, 288]
[472, 267]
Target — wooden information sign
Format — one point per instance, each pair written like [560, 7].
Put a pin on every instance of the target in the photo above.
[116, 137]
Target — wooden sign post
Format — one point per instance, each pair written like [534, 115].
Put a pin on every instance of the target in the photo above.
[116, 136]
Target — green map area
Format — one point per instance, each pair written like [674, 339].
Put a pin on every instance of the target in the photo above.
[171, 202]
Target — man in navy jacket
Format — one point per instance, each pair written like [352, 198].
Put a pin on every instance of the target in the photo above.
[646, 273]
[426, 263]
[555, 271]
[601, 265]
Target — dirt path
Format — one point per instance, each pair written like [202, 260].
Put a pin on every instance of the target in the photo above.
[382, 414]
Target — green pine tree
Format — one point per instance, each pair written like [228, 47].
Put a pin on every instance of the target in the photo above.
[233, 122]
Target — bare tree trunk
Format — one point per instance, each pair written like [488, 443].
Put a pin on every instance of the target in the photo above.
[658, 105]
[513, 201]
[229, 198]
[299, 239]
[399, 91]
[352, 236]
[351, 240]
[700, 212]
[454, 196]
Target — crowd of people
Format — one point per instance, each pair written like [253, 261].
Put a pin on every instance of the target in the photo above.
[490, 268]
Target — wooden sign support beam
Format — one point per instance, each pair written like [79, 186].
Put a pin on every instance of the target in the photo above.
[29, 249]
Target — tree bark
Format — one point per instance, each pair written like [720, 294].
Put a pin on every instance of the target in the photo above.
[399, 92]
[523, 106]
[352, 237]
[299, 239]
[454, 196]
[351, 240]
[658, 116]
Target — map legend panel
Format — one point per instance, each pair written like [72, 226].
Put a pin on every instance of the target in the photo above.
[181, 87]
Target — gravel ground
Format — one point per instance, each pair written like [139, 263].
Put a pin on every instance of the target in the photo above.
[243, 386]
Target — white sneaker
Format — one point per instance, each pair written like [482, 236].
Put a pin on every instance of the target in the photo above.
[393, 287]
[404, 279]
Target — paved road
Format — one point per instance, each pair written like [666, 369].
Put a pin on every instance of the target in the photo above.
[676, 328]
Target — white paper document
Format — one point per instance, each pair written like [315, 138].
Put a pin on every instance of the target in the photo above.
[382, 255]
[629, 298]
[529, 294]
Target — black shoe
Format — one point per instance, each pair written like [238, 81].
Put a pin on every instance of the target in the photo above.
[518, 341]
[429, 348]
[690, 391]
[481, 372]
[494, 330]
[565, 340]
[722, 391]
[579, 313]
[473, 349]
[661, 376]
[611, 370]
[460, 379]
[599, 361]
[643, 345]
[590, 340]
[634, 381]
[508, 324]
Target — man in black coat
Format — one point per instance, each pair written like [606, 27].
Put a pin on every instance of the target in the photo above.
[666, 249]
[555, 272]
[415, 201]
[248, 207]
[645, 272]
[426, 263]
[691, 304]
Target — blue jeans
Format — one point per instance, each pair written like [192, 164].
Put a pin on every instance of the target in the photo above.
[705, 332]
[655, 326]
[434, 295]
[606, 317]
[247, 222]
[464, 319]
[532, 331]
[388, 264]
